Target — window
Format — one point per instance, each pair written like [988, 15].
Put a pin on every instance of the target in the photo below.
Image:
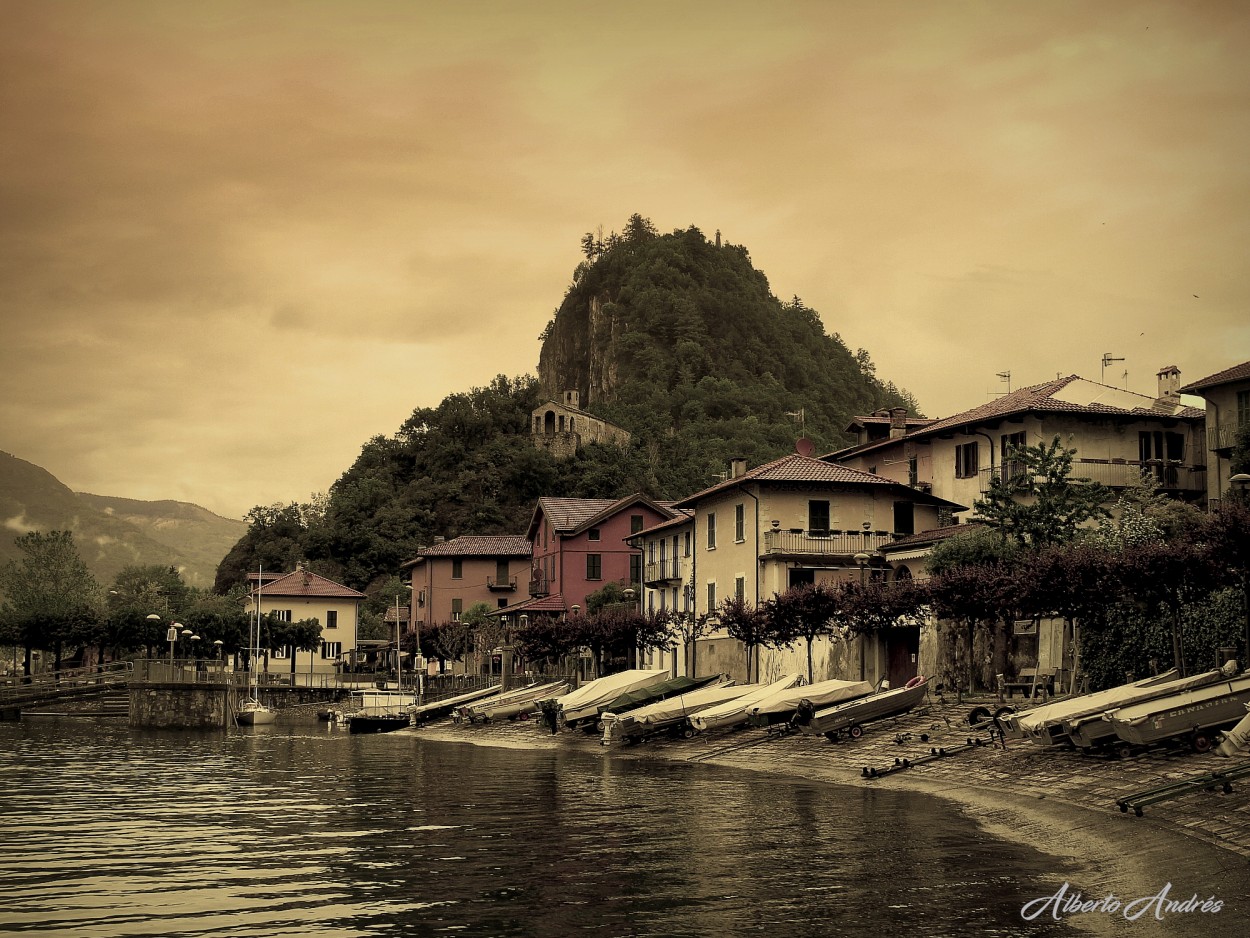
[687, 543]
[592, 534]
[284, 652]
[740, 588]
[1010, 442]
[818, 516]
[740, 523]
[711, 531]
[966, 460]
[635, 524]
[913, 471]
[904, 518]
[594, 566]
[332, 619]
[711, 597]
[457, 607]
[801, 577]
[651, 552]
[331, 650]
[1243, 408]
[280, 615]
[635, 568]
[457, 569]
[501, 603]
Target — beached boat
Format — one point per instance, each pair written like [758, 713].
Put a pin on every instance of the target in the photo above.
[671, 715]
[661, 690]
[438, 709]
[583, 704]
[781, 706]
[734, 712]
[1044, 724]
[1195, 715]
[852, 715]
[1090, 729]
[510, 705]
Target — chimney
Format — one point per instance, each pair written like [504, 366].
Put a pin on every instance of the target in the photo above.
[737, 467]
[898, 422]
[572, 399]
[438, 538]
[1170, 383]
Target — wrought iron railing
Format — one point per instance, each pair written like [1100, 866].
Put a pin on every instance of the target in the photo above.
[833, 543]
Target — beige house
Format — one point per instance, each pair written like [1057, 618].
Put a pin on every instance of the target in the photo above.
[1227, 397]
[761, 531]
[562, 427]
[306, 595]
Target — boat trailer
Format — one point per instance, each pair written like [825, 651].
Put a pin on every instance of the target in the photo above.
[935, 753]
[1208, 781]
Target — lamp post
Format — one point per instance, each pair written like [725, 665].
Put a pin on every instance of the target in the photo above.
[1241, 481]
[862, 560]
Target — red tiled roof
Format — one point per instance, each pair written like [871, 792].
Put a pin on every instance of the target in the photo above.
[474, 545]
[1227, 376]
[565, 514]
[796, 468]
[1072, 395]
[390, 614]
[932, 536]
[683, 515]
[307, 583]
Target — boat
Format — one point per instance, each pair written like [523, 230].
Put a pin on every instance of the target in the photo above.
[781, 706]
[378, 722]
[583, 704]
[1090, 730]
[1235, 739]
[671, 715]
[378, 711]
[1193, 714]
[509, 706]
[734, 712]
[446, 707]
[251, 711]
[662, 690]
[852, 715]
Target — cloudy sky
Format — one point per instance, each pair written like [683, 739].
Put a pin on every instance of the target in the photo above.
[237, 240]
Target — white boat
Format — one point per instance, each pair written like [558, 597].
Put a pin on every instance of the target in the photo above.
[1089, 730]
[1195, 714]
[733, 712]
[853, 714]
[511, 705]
[779, 707]
[251, 711]
[447, 706]
[254, 713]
[671, 714]
[584, 703]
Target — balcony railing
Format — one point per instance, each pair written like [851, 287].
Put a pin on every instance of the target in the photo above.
[501, 584]
[821, 544]
[539, 585]
[1219, 438]
[663, 571]
[1119, 474]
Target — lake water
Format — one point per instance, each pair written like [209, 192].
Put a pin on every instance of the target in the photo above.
[277, 831]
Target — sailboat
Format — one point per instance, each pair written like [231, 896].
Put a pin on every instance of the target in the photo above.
[251, 711]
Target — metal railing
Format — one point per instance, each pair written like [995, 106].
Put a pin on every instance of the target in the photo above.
[501, 583]
[835, 543]
[657, 571]
[68, 682]
[1118, 473]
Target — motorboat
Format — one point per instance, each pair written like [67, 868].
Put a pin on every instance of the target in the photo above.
[583, 704]
[734, 712]
[377, 722]
[671, 715]
[380, 711]
[424, 713]
[510, 705]
[781, 706]
[853, 714]
[1194, 714]
[663, 690]
[1091, 730]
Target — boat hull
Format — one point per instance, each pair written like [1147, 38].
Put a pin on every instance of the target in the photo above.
[254, 713]
[855, 713]
[378, 723]
[1193, 713]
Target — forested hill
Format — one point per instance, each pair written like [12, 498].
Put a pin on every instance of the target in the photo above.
[674, 337]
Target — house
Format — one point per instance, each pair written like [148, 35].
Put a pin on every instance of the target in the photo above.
[562, 427]
[1119, 437]
[1227, 395]
[761, 531]
[450, 577]
[579, 546]
[307, 595]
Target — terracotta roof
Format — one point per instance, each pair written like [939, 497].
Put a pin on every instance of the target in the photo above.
[873, 419]
[552, 603]
[1070, 395]
[683, 515]
[390, 613]
[932, 536]
[307, 583]
[1227, 376]
[475, 545]
[565, 514]
[796, 468]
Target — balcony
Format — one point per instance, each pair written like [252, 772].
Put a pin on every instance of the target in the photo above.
[539, 585]
[501, 584]
[1118, 474]
[663, 572]
[820, 544]
[1222, 438]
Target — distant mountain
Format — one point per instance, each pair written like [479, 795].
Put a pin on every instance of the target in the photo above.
[112, 533]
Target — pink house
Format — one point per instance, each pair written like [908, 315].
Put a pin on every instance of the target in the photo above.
[579, 547]
[451, 576]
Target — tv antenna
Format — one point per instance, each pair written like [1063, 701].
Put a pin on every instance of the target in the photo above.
[1107, 359]
[1005, 376]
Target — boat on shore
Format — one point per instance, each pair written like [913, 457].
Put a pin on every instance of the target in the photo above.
[446, 707]
[663, 690]
[582, 705]
[1090, 730]
[853, 714]
[1194, 715]
[781, 706]
[734, 712]
[671, 715]
[508, 706]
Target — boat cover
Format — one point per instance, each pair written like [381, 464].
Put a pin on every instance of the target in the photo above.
[821, 694]
[661, 691]
[1030, 721]
[679, 706]
[887, 703]
[1166, 717]
[735, 711]
[586, 700]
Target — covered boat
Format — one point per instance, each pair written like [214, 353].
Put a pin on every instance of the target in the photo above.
[662, 690]
[583, 704]
[441, 708]
[734, 712]
[1091, 730]
[853, 714]
[670, 715]
[1195, 714]
[509, 705]
[781, 706]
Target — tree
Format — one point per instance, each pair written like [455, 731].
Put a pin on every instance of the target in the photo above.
[51, 598]
[805, 611]
[745, 623]
[1035, 501]
[138, 591]
[300, 635]
[690, 627]
[878, 605]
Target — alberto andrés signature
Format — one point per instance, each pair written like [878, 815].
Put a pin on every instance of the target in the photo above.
[1066, 902]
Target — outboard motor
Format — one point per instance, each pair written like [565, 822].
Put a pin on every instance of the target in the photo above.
[803, 715]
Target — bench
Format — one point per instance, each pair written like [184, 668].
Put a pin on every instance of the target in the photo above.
[1031, 682]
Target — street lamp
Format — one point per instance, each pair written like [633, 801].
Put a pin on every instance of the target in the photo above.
[218, 644]
[862, 560]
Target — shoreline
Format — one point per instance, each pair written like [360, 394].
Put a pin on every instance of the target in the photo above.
[1058, 802]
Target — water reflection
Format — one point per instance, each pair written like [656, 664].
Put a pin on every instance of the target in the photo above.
[113, 832]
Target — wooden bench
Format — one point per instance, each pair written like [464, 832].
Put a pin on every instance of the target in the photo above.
[1031, 682]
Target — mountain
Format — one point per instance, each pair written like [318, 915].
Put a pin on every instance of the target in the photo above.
[112, 533]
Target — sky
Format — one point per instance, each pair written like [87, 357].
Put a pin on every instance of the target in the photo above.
[240, 239]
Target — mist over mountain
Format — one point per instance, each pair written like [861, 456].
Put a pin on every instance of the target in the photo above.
[112, 533]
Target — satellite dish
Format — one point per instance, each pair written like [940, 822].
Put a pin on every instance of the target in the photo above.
[804, 446]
